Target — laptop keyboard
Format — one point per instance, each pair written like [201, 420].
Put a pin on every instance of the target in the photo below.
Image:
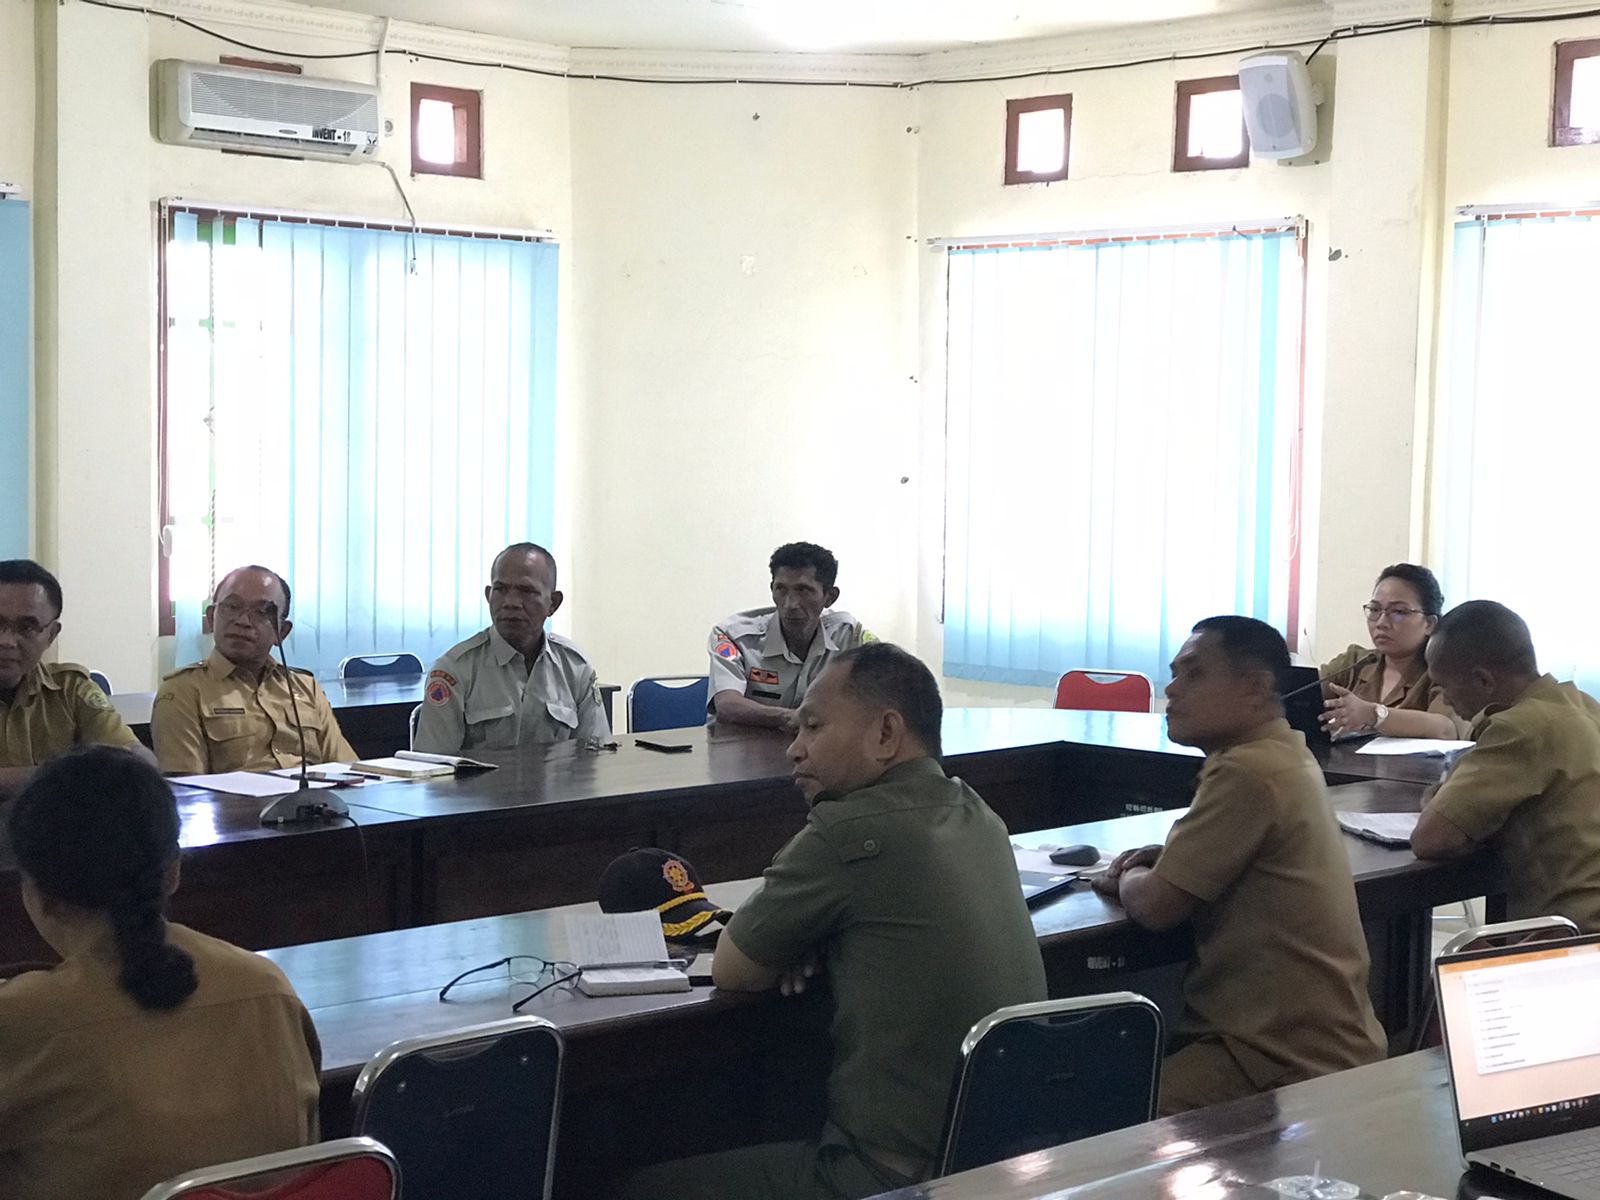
[1578, 1161]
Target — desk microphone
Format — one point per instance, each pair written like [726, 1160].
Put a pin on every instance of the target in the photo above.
[1350, 672]
[298, 805]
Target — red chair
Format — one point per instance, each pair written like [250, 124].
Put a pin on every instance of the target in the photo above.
[355, 1168]
[1105, 691]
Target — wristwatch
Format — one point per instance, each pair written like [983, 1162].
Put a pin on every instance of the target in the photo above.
[1382, 711]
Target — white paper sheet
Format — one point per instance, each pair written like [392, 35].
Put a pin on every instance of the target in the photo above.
[246, 783]
[1388, 745]
[615, 938]
[1395, 825]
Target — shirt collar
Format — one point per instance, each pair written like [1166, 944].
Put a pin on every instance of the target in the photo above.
[775, 644]
[220, 666]
[926, 767]
[1277, 728]
[504, 651]
[35, 681]
[1544, 683]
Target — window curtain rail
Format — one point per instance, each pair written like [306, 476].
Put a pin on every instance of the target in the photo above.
[206, 210]
[1098, 237]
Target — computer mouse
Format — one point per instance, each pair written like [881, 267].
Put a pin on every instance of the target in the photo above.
[1075, 856]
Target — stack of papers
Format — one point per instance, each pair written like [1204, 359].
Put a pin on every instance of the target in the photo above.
[247, 783]
[623, 954]
[1389, 745]
[1387, 829]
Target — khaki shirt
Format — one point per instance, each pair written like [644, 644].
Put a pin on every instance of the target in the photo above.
[101, 1098]
[57, 707]
[909, 888]
[749, 655]
[481, 695]
[1416, 693]
[1531, 789]
[1280, 965]
[212, 717]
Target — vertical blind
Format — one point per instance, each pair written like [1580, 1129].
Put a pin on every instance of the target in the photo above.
[16, 285]
[373, 430]
[1121, 447]
[1517, 427]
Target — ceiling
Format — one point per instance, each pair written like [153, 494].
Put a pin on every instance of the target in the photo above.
[854, 26]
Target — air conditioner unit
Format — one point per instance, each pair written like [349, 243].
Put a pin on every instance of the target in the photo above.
[265, 112]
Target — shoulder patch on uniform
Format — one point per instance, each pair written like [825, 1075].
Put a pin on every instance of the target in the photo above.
[725, 648]
[867, 635]
[438, 692]
[448, 678]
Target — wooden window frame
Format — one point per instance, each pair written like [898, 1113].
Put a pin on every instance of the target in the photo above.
[1182, 160]
[468, 105]
[1014, 111]
[1562, 131]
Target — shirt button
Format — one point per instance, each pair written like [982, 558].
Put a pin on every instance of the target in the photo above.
[870, 845]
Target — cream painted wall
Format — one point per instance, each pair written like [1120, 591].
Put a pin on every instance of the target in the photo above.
[97, 502]
[744, 293]
[16, 93]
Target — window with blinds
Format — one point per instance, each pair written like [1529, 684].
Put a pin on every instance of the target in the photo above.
[368, 411]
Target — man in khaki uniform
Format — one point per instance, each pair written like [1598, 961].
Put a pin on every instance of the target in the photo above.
[234, 711]
[1530, 788]
[1277, 991]
[764, 659]
[514, 683]
[903, 886]
[44, 707]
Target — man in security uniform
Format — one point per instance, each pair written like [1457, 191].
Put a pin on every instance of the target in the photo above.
[514, 683]
[235, 711]
[45, 708]
[764, 659]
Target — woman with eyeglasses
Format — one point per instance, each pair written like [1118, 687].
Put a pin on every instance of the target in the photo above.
[1387, 689]
[151, 1049]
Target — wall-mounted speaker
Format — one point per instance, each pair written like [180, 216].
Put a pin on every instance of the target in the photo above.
[1280, 104]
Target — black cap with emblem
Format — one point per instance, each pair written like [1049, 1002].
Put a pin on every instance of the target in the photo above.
[646, 878]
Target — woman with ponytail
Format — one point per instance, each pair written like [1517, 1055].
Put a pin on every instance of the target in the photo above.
[151, 1049]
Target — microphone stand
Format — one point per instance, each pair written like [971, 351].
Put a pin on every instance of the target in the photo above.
[298, 805]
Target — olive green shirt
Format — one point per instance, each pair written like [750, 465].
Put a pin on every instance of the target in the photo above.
[1531, 789]
[1280, 965]
[1360, 670]
[212, 717]
[909, 889]
[57, 706]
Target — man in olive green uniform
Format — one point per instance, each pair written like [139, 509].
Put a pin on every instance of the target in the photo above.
[45, 708]
[1277, 991]
[1530, 787]
[764, 659]
[903, 887]
[514, 683]
[234, 711]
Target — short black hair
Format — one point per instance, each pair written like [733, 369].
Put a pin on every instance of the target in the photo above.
[1249, 644]
[797, 556]
[525, 548]
[282, 582]
[1488, 634]
[881, 673]
[1421, 580]
[97, 828]
[25, 570]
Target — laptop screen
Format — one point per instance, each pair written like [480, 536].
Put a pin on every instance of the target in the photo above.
[1523, 1041]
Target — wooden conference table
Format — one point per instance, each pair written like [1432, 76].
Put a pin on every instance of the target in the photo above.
[755, 1065]
[1388, 1128]
[374, 713]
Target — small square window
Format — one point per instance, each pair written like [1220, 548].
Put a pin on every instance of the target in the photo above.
[446, 131]
[1210, 133]
[1038, 139]
[1577, 102]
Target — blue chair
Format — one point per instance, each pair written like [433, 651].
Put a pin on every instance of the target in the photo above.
[667, 702]
[368, 666]
[471, 1114]
[1040, 1075]
[101, 682]
[416, 715]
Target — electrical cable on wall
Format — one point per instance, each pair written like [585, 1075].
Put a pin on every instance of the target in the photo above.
[1346, 33]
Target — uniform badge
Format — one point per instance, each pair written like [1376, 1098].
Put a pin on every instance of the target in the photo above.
[726, 649]
[449, 679]
[677, 876]
[438, 691]
[757, 675]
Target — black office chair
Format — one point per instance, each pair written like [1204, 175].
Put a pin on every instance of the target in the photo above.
[469, 1115]
[372, 666]
[1039, 1075]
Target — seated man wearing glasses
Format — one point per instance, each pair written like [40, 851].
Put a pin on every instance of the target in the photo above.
[1387, 689]
[234, 711]
[45, 708]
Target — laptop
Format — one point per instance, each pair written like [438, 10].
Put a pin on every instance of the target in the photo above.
[1039, 887]
[1523, 1046]
[1302, 703]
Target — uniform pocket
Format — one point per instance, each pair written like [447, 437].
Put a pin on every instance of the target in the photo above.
[562, 714]
[227, 728]
[477, 716]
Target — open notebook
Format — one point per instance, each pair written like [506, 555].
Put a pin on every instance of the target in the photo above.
[623, 954]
